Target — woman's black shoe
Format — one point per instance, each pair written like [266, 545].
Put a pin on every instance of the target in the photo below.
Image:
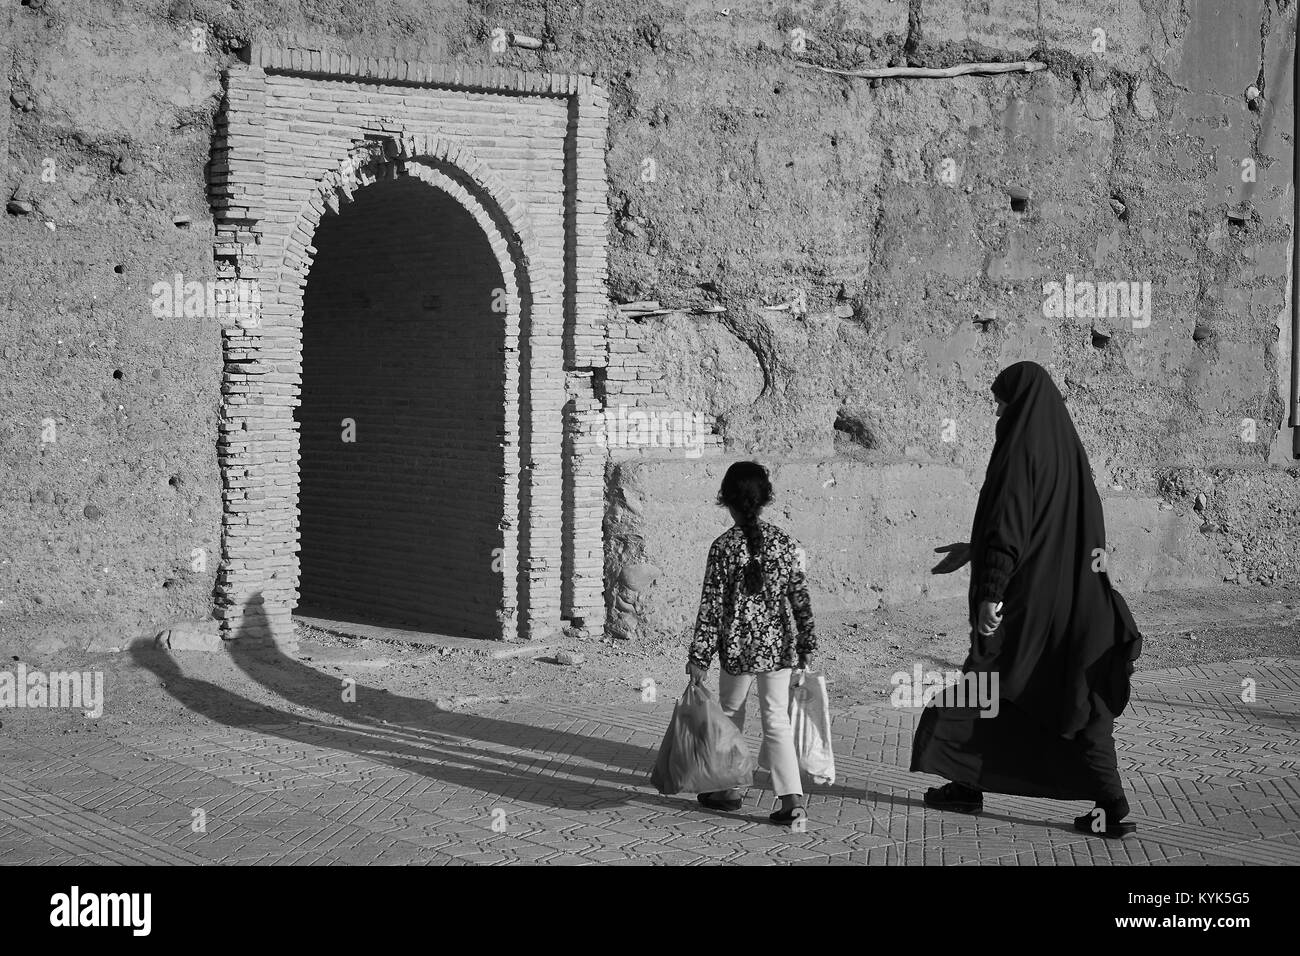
[1114, 829]
[954, 797]
[713, 802]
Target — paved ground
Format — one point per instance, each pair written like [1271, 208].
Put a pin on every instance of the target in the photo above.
[1213, 779]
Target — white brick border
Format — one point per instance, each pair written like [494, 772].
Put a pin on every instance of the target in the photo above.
[257, 585]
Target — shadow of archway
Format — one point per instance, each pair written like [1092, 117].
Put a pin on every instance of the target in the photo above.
[503, 758]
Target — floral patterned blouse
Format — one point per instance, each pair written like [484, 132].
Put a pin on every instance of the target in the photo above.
[754, 633]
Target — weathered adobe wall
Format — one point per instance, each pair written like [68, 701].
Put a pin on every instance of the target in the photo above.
[771, 179]
[1144, 164]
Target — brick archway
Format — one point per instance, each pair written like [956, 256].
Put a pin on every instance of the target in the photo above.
[522, 156]
[454, 173]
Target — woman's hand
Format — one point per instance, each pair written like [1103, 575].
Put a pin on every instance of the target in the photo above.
[696, 674]
[956, 555]
[990, 617]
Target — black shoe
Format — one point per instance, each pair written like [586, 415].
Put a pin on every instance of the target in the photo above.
[1116, 828]
[955, 797]
[713, 802]
[787, 817]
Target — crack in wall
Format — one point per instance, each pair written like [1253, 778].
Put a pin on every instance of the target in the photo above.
[915, 27]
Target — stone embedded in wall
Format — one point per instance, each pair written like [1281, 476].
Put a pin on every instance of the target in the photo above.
[191, 636]
[622, 622]
[1144, 101]
[633, 600]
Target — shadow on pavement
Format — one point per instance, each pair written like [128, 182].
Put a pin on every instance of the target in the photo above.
[412, 734]
[415, 736]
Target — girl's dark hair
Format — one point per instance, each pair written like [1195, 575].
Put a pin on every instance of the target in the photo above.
[747, 488]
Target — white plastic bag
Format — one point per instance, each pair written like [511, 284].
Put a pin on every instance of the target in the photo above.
[810, 716]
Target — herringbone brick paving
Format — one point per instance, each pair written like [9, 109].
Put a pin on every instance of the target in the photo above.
[1213, 780]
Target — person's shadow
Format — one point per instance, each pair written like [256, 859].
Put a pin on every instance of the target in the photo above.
[409, 733]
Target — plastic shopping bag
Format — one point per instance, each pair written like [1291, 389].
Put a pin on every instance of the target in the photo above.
[702, 750]
[810, 716]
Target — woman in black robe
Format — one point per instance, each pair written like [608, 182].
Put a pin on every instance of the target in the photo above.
[1046, 622]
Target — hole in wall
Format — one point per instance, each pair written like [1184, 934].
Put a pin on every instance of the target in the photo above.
[852, 434]
[1020, 199]
[1099, 339]
[119, 268]
[1202, 333]
[117, 374]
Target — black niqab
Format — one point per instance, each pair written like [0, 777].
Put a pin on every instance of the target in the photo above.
[1066, 632]
[1064, 651]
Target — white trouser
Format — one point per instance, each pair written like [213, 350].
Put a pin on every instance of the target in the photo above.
[774, 709]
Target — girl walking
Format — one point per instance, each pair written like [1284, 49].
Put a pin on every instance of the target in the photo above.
[756, 615]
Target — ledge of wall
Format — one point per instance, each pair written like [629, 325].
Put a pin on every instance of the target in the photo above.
[869, 531]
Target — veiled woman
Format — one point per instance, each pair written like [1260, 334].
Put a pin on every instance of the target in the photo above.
[1045, 620]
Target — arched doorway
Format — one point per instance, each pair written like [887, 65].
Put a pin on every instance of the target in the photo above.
[523, 153]
[403, 415]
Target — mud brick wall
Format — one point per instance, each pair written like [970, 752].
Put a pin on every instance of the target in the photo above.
[872, 405]
[1140, 158]
[641, 417]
